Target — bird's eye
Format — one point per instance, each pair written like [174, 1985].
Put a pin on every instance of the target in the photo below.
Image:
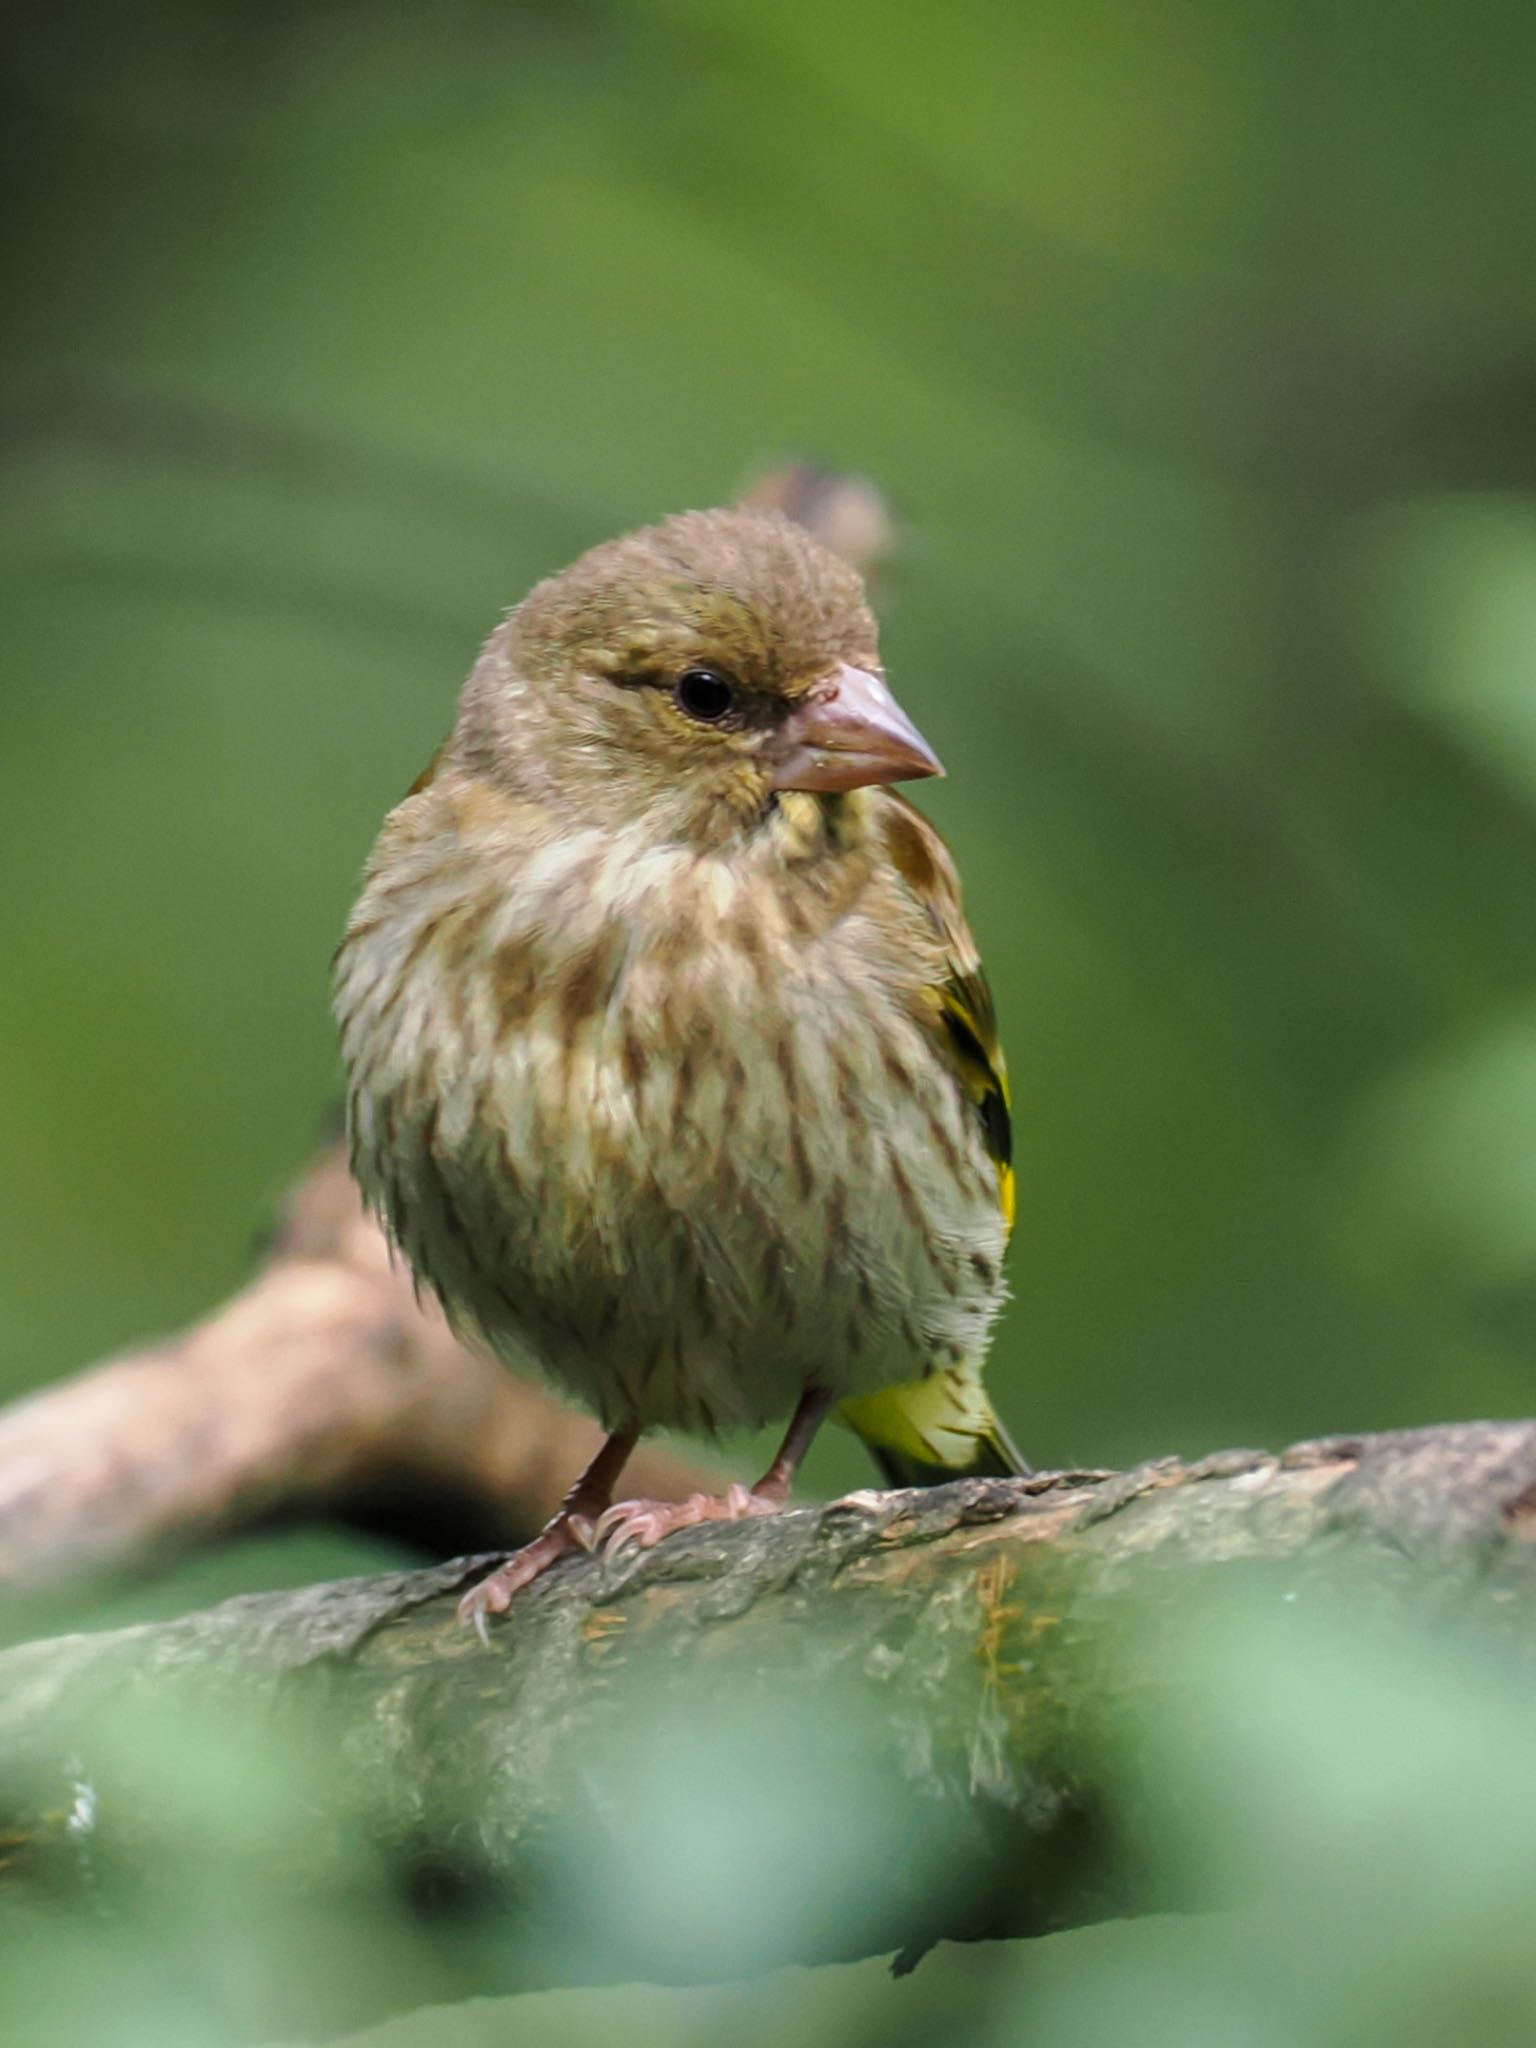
[705, 694]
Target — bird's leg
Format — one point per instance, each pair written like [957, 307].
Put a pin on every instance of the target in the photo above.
[644, 1522]
[573, 1526]
[810, 1414]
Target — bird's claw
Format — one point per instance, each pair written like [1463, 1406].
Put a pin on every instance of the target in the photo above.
[628, 1524]
[495, 1594]
[641, 1524]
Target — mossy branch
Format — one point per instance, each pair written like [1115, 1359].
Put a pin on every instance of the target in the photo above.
[897, 1719]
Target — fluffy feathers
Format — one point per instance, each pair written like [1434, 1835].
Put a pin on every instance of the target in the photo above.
[672, 1065]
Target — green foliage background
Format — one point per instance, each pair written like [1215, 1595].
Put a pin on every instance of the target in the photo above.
[1196, 348]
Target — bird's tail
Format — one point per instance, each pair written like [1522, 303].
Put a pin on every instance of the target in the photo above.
[927, 1431]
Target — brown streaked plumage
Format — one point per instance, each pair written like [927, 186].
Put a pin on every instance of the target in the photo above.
[672, 1066]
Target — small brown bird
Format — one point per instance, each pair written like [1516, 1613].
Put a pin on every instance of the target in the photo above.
[671, 1062]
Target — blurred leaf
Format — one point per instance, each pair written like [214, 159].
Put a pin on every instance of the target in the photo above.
[1444, 1160]
[1448, 603]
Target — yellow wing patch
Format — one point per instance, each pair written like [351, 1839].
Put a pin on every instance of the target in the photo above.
[962, 1001]
[945, 1424]
[983, 1074]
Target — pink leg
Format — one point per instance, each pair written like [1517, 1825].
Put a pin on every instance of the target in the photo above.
[571, 1527]
[645, 1522]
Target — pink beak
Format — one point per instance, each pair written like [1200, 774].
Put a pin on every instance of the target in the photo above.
[850, 732]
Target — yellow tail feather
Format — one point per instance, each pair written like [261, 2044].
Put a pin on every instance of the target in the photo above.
[926, 1431]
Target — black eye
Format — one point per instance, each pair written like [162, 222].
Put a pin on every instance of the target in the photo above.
[705, 694]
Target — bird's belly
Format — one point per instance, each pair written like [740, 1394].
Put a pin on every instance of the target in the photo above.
[689, 1237]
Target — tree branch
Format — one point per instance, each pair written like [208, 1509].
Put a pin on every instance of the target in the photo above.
[323, 1388]
[933, 1699]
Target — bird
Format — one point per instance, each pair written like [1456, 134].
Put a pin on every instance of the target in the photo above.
[671, 1063]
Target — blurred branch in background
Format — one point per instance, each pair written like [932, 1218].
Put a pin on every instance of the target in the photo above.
[325, 1388]
[841, 1732]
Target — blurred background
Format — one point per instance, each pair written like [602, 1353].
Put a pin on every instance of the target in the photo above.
[1195, 349]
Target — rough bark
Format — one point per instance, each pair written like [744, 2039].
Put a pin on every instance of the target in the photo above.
[954, 1679]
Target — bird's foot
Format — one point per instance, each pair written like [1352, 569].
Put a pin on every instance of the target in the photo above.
[643, 1523]
[568, 1532]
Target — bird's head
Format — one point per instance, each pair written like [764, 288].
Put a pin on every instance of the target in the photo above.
[686, 675]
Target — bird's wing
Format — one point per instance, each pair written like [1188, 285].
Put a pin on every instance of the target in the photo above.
[944, 1427]
[962, 1001]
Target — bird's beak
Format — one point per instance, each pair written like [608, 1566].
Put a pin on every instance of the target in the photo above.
[850, 732]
